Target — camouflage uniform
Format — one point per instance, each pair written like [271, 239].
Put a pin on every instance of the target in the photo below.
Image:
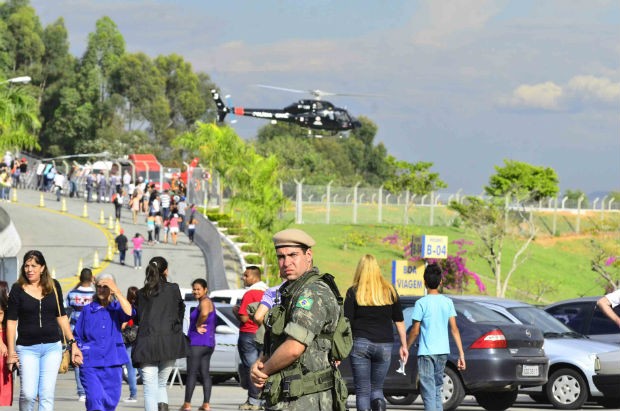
[316, 311]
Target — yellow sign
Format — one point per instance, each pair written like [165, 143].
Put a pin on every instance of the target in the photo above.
[408, 277]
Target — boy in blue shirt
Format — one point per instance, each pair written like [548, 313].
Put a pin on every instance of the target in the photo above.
[431, 316]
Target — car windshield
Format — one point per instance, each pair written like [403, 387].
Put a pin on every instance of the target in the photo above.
[542, 320]
[227, 311]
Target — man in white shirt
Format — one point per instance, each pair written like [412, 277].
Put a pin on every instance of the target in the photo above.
[59, 181]
[607, 304]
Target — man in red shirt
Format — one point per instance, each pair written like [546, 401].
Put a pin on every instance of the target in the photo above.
[249, 350]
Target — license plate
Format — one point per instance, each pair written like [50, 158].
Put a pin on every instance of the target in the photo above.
[530, 371]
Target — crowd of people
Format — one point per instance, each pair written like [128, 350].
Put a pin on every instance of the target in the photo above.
[286, 334]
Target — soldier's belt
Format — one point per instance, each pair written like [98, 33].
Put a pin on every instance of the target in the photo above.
[295, 385]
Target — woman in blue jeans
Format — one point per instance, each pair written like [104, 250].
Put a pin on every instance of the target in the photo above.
[160, 310]
[132, 378]
[372, 305]
[35, 314]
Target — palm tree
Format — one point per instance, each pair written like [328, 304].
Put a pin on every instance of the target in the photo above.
[19, 120]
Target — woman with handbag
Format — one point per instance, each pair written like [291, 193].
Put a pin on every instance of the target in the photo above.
[160, 310]
[98, 333]
[130, 332]
[34, 314]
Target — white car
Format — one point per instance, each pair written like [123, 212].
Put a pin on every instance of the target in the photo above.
[231, 296]
[607, 378]
[225, 359]
[571, 356]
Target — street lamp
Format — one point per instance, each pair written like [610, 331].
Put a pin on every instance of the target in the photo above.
[22, 79]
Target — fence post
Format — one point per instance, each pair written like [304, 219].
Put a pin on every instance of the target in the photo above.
[406, 208]
[555, 216]
[603, 206]
[328, 204]
[298, 202]
[432, 210]
[578, 214]
[380, 205]
[355, 202]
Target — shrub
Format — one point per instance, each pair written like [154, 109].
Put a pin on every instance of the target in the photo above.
[253, 259]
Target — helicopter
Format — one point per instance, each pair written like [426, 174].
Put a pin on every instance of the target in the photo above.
[314, 114]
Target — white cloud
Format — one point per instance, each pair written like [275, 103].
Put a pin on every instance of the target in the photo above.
[580, 91]
[439, 19]
[595, 88]
[543, 96]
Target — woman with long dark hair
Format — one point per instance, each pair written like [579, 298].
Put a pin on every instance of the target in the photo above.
[372, 305]
[132, 379]
[160, 340]
[201, 333]
[35, 314]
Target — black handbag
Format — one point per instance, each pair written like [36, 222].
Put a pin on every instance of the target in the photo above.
[130, 333]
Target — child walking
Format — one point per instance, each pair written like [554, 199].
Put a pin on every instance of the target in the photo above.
[431, 316]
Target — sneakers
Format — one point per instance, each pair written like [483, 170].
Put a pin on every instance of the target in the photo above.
[82, 398]
[130, 399]
[248, 406]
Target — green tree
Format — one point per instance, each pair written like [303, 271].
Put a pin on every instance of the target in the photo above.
[523, 182]
[416, 177]
[19, 120]
[24, 43]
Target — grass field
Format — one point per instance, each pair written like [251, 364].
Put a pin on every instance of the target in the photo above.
[557, 267]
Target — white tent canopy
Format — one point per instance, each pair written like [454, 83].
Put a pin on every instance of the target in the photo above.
[102, 165]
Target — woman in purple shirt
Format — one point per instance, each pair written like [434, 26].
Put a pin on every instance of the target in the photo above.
[201, 333]
[98, 333]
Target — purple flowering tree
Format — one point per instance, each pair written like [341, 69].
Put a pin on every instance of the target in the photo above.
[456, 275]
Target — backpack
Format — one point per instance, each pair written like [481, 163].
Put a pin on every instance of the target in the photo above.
[342, 339]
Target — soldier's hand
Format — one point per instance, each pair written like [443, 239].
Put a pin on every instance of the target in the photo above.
[257, 376]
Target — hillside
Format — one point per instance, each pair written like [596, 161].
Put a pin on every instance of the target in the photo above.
[556, 267]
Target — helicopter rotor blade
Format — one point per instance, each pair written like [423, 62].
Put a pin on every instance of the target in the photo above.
[317, 93]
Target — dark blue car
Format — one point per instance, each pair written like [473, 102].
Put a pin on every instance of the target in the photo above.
[500, 356]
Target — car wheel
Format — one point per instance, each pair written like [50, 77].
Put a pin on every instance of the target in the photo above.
[453, 391]
[407, 399]
[138, 377]
[218, 379]
[566, 389]
[539, 398]
[496, 401]
[608, 403]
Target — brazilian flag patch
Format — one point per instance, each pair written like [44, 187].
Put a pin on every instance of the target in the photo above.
[305, 303]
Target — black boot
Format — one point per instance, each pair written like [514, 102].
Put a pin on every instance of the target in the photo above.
[162, 406]
[378, 404]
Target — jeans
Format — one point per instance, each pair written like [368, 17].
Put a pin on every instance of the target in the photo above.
[249, 351]
[78, 382]
[132, 380]
[38, 366]
[430, 370]
[155, 377]
[121, 254]
[137, 258]
[370, 362]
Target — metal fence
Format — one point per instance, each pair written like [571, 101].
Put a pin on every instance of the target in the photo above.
[356, 205]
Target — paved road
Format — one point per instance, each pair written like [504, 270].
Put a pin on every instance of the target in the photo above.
[228, 396]
[67, 238]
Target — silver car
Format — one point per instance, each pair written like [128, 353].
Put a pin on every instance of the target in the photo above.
[225, 359]
[571, 356]
[607, 378]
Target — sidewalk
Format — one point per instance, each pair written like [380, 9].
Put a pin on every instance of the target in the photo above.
[67, 237]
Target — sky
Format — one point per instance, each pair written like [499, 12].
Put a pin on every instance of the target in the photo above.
[463, 84]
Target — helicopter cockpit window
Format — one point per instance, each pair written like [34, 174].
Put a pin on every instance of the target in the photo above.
[341, 116]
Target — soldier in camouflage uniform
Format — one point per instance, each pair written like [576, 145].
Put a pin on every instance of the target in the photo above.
[305, 341]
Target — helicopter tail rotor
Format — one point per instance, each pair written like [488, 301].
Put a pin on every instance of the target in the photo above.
[222, 109]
